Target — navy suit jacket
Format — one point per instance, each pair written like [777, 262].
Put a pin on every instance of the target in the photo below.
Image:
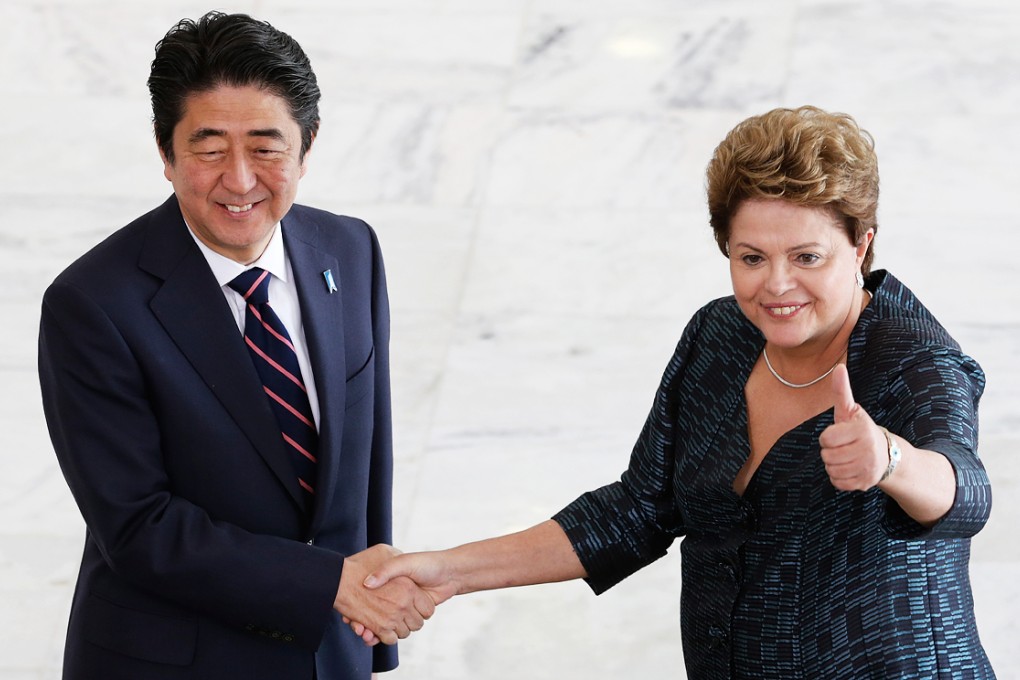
[198, 560]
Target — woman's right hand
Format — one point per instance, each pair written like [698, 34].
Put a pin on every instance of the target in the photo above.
[429, 570]
[541, 554]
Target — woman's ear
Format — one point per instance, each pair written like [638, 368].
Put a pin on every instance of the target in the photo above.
[864, 244]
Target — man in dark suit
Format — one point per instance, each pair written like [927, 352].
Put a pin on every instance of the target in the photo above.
[229, 516]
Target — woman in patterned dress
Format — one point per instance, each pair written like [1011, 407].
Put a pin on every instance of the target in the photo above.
[813, 441]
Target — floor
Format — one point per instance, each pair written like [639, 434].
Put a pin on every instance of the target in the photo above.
[534, 169]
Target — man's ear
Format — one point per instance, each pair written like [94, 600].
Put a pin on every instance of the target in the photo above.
[168, 167]
[304, 157]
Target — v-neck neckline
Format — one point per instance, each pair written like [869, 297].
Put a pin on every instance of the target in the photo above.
[740, 441]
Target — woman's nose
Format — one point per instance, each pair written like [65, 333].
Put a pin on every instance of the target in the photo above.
[779, 280]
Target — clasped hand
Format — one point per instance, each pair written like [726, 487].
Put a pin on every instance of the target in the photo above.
[420, 580]
[391, 610]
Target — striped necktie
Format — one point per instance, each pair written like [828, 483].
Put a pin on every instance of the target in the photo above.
[276, 361]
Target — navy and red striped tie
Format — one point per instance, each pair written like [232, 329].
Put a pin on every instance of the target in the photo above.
[276, 361]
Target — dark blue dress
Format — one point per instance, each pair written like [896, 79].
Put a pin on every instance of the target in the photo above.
[794, 579]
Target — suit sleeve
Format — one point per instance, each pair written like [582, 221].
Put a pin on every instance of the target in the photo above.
[108, 443]
[380, 489]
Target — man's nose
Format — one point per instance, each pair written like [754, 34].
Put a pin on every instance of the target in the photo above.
[238, 177]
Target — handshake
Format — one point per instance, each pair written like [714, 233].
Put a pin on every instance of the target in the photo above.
[385, 596]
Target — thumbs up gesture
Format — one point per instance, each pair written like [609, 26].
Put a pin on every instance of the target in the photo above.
[854, 449]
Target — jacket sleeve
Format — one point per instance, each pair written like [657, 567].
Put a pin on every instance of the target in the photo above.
[380, 490]
[107, 439]
[620, 528]
[932, 402]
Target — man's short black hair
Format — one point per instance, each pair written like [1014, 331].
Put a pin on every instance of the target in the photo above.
[234, 50]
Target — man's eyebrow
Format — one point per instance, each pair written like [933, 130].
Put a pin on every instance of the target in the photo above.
[205, 133]
[272, 133]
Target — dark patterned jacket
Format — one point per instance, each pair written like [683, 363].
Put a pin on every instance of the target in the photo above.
[794, 579]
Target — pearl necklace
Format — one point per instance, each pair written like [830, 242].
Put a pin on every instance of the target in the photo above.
[797, 386]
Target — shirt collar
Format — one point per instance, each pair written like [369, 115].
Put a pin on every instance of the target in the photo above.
[273, 259]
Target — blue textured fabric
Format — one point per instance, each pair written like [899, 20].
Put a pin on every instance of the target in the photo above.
[794, 579]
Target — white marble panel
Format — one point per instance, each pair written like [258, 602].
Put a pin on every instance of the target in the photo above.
[398, 10]
[605, 161]
[911, 58]
[664, 8]
[995, 558]
[175, 9]
[556, 632]
[402, 152]
[33, 497]
[483, 155]
[94, 49]
[959, 269]
[500, 483]
[105, 148]
[550, 376]
[427, 252]
[42, 233]
[482, 483]
[996, 543]
[105, 48]
[418, 354]
[428, 54]
[997, 348]
[32, 647]
[418, 350]
[954, 173]
[629, 264]
[648, 62]
[996, 599]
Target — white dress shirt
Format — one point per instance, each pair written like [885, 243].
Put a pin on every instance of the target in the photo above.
[282, 297]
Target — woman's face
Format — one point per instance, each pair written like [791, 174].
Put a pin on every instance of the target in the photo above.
[794, 272]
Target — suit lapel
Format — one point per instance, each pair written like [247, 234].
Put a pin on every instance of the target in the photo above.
[191, 307]
[322, 320]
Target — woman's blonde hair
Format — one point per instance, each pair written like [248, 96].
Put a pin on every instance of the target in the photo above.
[805, 156]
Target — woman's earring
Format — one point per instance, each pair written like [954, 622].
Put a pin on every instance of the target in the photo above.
[860, 280]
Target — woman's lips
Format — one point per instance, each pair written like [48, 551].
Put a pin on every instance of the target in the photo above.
[783, 311]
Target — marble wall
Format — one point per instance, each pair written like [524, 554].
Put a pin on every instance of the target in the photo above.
[534, 169]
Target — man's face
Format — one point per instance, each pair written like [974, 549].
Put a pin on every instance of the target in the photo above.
[237, 163]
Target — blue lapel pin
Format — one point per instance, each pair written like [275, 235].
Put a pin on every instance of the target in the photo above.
[330, 283]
